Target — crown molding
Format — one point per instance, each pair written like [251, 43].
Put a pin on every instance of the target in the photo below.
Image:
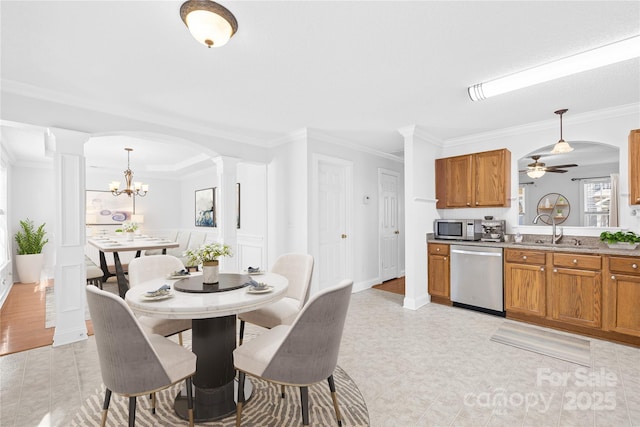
[590, 116]
[331, 139]
[31, 91]
[421, 133]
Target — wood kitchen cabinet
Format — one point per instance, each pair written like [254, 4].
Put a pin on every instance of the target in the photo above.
[438, 283]
[474, 180]
[634, 167]
[575, 291]
[623, 295]
[525, 282]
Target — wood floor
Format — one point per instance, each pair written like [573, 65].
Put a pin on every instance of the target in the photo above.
[394, 285]
[22, 319]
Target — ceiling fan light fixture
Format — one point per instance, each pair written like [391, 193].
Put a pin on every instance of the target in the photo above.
[210, 23]
[561, 146]
[589, 60]
[536, 172]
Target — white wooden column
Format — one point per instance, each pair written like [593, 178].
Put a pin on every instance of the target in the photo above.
[420, 152]
[227, 170]
[70, 275]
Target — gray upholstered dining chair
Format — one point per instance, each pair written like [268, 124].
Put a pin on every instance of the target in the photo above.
[133, 363]
[297, 268]
[300, 354]
[153, 267]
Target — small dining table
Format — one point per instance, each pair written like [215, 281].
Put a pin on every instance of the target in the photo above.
[115, 245]
[213, 320]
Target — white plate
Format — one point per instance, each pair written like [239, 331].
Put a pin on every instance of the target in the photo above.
[253, 273]
[157, 297]
[178, 276]
[251, 290]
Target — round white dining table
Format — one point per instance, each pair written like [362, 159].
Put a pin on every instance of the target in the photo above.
[213, 333]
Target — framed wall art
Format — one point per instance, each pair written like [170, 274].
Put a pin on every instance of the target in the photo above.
[205, 213]
[102, 208]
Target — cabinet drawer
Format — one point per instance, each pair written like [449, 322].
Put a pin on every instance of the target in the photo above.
[438, 249]
[523, 256]
[585, 262]
[624, 265]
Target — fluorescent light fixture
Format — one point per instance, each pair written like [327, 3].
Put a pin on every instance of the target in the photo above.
[595, 58]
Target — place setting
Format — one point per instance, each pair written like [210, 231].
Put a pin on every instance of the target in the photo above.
[163, 292]
[258, 288]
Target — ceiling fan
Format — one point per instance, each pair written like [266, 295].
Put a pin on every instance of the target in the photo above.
[537, 169]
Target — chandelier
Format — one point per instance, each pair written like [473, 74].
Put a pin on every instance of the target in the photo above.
[137, 188]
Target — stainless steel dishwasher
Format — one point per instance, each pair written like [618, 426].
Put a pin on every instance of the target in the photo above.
[476, 278]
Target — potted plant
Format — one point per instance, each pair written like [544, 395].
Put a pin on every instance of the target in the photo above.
[620, 239]
[29, 259]
[129, 228]
[208, 255]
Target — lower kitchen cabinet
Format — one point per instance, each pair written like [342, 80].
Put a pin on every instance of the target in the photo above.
[576, 297]
[623, 286]
[438, 284]
[576, 289]
[525, 282]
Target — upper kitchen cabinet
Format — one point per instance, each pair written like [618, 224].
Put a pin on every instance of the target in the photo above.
[474, 180]
[634, 167]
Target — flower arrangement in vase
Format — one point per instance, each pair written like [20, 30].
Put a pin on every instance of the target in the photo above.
[208, 255]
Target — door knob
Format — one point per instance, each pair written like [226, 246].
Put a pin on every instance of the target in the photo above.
[397, 232]
[344, 236]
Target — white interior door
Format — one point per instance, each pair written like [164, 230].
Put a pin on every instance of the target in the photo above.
[333, 189]
[388, 182]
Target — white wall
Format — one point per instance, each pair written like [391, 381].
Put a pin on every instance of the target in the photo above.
[187, 199]
[32, 196]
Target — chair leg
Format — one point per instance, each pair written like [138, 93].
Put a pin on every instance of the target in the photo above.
[132, 411]
[241, 377]
[282, 390]
[304, 401]
[241, 332]
[180, 338]
[190, 400]
[153, 403]
[105, 407]
[334, 397]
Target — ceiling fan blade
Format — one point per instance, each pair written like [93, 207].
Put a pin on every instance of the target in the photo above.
[573, 165]
[556, 170]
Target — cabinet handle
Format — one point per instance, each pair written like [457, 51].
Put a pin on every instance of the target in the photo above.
[613, 277]
[445, 258]
[344, 236]
[555, 270]
[524, 257]
[575, 261]
[468, 204]
[634, 266]
[638, 199]
[477, 203]
[541, 268]
[437, 249]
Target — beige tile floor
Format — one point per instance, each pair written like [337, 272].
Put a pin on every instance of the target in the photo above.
[430, 367]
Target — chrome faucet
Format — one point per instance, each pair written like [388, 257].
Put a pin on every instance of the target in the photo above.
[554, 239]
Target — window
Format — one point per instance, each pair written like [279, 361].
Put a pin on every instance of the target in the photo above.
[596, 195]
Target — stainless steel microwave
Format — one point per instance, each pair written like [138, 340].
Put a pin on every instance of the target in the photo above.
[457, 229]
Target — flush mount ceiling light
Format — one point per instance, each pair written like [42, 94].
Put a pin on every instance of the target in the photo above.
[595, 58]
[137, 188]
[536, 172]
[210, 23]
[561, 146]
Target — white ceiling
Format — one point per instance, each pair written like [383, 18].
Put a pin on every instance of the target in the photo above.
[356, 70]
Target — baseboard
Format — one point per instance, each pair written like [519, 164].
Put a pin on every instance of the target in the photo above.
[68, 337]
[364, 285]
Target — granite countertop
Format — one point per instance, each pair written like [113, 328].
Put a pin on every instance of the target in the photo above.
[588, 245]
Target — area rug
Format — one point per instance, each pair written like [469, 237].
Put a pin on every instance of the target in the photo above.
[549, 343]
[265, 408]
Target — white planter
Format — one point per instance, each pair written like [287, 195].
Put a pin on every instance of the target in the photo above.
[210, 272]
[29, 267]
